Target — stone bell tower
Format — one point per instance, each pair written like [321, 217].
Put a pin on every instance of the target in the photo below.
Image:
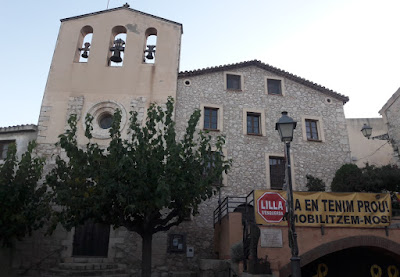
[116, 58]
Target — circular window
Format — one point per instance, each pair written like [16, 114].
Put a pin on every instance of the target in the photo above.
[103, 118]
[328, 100]
[105, 121]
[187, 83]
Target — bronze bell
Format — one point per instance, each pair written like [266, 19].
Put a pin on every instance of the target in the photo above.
[116, 57]
[117, 48]
[85, 50]
[150, 52]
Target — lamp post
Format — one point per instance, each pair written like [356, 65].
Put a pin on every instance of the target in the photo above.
[285, 127]
[366, 130]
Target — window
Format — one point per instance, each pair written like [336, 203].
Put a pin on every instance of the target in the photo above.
[312, 129]
[274, 86]
[233, 81]
[105, 120]
[102, 113]
[277, 172]
[4, 148]
[210, 118]
[253, 123]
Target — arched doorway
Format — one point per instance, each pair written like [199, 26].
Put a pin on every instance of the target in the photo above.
[356, 261]
[351, 256]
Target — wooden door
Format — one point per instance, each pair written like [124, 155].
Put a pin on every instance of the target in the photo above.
[91, 239]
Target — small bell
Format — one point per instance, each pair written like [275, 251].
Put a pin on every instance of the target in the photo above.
[117, 49]
[85, 50]
[150, 52]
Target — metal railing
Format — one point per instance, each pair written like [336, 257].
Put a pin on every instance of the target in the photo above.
[230, 204]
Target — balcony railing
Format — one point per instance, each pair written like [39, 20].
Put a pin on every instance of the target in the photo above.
[233, 204]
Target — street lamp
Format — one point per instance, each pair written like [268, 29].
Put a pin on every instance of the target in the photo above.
[367, 132]
[285, 127]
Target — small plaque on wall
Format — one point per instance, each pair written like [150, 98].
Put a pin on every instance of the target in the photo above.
[271, 238]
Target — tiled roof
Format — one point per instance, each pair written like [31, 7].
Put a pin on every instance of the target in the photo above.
[19, 128]
[124, 7]
[270, 68]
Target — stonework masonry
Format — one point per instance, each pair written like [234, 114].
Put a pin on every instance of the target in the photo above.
[250, 153]
[391, 115]
[318, 158]
[94, 86]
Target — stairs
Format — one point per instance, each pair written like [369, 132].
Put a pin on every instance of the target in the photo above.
[87, 268]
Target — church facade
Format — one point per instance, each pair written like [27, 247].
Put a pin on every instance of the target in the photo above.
[125, 59]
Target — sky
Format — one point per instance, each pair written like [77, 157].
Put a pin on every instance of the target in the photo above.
[349, 46]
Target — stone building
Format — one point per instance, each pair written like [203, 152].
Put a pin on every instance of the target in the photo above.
[391, 116]
[245, 100]
[122, 58]
[21, 135]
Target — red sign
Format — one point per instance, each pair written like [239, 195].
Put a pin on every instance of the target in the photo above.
[272, 207]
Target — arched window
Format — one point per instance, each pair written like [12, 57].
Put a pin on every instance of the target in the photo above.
[117, 48]
[84, 44]
[150, 46]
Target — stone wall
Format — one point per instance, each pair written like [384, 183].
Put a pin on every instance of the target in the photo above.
[250, 153]
[21, 134]
[391, 114]
[320, 159]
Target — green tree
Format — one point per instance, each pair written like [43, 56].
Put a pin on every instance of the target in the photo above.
[367, 179]
[23, 203]
[146, 183]
[348, 178]
[314, 183]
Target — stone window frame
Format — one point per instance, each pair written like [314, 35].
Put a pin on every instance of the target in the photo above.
[268, 172]
[226, 73]
[320, 128]
[262, 119]
[97, 111]
[220, 114]
[283, 92]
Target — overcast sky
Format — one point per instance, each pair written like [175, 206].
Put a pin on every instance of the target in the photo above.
[349, 46]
